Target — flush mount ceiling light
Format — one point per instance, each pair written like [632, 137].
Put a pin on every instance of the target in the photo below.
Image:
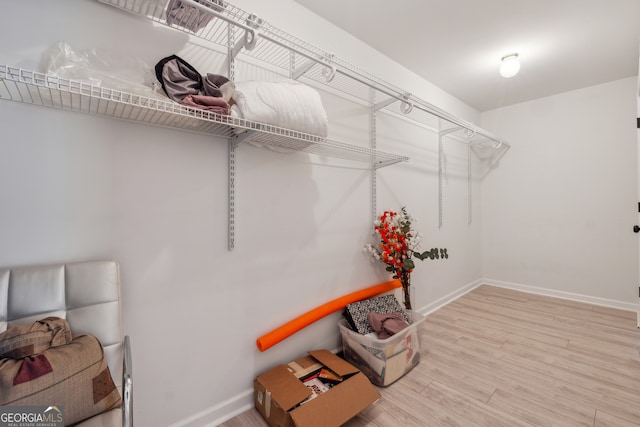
[510, 65]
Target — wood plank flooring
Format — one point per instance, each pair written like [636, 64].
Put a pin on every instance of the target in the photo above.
[497, 357]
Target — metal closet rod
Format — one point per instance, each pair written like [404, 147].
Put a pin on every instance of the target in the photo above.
[255, 33]
[353, 75]
[433, 110]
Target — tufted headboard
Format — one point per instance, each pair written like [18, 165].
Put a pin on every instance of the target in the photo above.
[87, 294]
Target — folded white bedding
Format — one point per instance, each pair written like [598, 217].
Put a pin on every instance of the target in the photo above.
[285, 103]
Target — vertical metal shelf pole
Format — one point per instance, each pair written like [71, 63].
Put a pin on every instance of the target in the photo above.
[372, 138]
[232, 194]
[441, 134]
[232, 144]
[469, 183]
[440, 173]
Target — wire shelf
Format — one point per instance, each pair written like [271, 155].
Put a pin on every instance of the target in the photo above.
[297, 141]
[31, 87]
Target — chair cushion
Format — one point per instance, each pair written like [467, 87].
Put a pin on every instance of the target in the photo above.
[74, 376]
[28, 340]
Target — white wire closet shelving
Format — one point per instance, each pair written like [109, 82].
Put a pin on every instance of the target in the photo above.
[243, 34]
[26, 86]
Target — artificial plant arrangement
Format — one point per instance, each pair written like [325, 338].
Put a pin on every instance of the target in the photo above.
[398, 244]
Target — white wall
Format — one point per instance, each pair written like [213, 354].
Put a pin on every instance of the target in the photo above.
[558, 212]
[77, 187]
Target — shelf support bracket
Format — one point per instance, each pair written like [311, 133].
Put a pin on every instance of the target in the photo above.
[242, 137]
[299, 72]
[380, 105]
[247, 43]
[235, 49]
[328, 70]
[405, 107]
[448, 131]
[480, 142]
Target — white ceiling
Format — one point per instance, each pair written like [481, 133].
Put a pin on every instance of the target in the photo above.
[458, 44]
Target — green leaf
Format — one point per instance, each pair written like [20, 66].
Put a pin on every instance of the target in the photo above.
[408, 265]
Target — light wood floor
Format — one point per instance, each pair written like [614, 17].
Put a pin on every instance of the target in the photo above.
[497, 357]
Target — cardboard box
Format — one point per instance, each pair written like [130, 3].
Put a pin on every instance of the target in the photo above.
[284, 401]
[383, 361]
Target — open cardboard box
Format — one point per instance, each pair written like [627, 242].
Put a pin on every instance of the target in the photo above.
[279, 393]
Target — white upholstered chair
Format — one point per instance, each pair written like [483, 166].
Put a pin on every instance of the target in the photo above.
[87, 294]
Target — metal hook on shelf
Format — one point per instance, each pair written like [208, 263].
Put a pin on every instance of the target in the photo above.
[329, 70]
[250, 39]
[406, 107]
[251, 34]
[328, 73]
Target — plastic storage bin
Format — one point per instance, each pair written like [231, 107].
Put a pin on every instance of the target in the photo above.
[383, 361]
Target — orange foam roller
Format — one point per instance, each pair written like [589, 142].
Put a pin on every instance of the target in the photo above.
[274, 337]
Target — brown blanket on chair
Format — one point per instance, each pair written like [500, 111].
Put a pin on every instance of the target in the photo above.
[74, 376]
[28, 340]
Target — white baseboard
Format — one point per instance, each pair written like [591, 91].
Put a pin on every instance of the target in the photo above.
[221, 412]
[622, 305]
[430, 308]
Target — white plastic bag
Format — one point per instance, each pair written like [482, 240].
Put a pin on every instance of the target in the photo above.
[100, 68]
